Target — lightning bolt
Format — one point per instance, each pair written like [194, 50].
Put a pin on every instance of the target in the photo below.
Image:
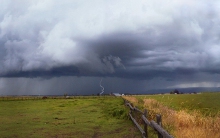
[102, 88]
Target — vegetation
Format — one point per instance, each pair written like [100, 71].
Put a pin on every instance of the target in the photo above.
[206, 103]
[59, 117]
[186, 115]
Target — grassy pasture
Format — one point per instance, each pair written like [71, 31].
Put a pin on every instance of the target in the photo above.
[75, 117]
[184, 115]
[208, 104]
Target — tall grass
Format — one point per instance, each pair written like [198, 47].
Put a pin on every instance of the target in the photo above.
[182, 123]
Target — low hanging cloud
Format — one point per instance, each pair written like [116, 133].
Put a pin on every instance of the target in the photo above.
[140, 39]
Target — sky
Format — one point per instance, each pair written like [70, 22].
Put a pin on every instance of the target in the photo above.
[56, 47]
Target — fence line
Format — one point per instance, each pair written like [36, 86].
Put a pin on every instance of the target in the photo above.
[157, 126]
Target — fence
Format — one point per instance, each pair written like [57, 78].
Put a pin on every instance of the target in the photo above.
[157, 126]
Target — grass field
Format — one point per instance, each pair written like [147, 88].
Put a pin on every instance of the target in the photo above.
[78, 117]
[185, 115]
[206, 103]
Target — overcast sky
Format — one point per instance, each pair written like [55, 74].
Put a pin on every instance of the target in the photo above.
[57, 47]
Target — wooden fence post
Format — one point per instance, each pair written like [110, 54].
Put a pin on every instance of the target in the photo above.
[159, 122]
[145, 125]
[134, 113]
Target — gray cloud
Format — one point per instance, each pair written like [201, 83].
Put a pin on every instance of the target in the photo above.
[140, 40]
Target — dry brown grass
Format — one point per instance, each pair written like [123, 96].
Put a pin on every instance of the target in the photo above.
[182, 124]
[131, 99]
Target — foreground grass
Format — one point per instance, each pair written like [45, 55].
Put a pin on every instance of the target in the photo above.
[87, 117]
[185, 116]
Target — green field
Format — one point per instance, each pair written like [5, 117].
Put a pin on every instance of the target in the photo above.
[75, 117]
[208, 104]
[184, 115]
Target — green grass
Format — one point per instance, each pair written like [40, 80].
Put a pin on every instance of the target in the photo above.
[77, 117]
[206, 103]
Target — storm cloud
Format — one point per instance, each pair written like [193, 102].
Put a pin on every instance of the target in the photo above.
[174, 43]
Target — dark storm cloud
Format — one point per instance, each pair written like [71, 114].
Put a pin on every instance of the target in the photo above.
[59, 71]
[145, 57]
[140, 40]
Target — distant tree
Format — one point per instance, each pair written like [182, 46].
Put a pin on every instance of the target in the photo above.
[172, 92]
[176, 91]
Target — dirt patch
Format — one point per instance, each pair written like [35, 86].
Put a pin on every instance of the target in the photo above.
[36, 118]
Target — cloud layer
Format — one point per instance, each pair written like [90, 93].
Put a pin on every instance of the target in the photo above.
[142, 39]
